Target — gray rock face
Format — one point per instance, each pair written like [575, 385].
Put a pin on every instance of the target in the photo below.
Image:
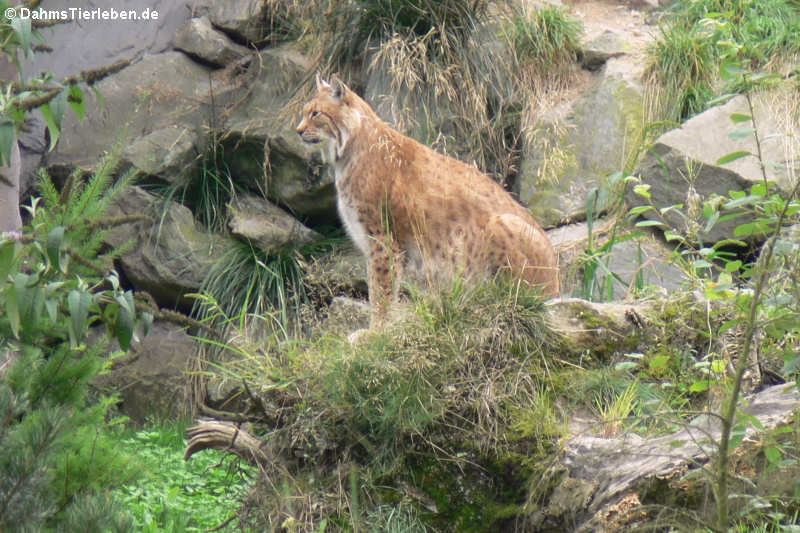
[268, 226]
[262, 131]
[151, 379]
[645, 256]
[85, 44]
[155, 93]
[169, 153]
[245, 20]
[9, 192]
[688, 156]
[199, 39]
[579, 144]
[170, 257]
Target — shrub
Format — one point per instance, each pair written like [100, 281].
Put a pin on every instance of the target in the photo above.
[57, 453]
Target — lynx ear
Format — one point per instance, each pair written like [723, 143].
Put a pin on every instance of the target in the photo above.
[337, 87]
[321, 84]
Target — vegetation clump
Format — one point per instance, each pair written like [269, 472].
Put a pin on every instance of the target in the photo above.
[414, 412]
[699, 36]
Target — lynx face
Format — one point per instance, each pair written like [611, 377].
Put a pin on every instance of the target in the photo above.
[328, 118]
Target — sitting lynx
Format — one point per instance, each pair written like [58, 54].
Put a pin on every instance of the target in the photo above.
[408, 207]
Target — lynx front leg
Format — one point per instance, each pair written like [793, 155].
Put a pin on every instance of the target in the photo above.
[384, 269]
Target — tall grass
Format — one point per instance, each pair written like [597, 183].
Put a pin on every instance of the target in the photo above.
[683, 70]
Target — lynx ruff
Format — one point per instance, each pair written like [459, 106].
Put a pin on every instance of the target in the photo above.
[411, 209]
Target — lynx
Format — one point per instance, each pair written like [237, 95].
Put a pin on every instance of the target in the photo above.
[412, 210]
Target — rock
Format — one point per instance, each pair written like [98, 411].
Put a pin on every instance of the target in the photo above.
[578, 144]
[598, 330]
[346, 315]
[170, 257]
[646, 256]
[262, 130]
[84, 44]
[201, 41]
[244, 20]
[689, 155]
[170, 153]
[269, 227]
[151, 378]
[158, 92]
[600, 49]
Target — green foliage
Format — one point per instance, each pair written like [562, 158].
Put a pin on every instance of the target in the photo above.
[547, 39]
[767, 308]
[249, 281]
[434, 393]
[174, 495]
[57, 453]
[702, 34]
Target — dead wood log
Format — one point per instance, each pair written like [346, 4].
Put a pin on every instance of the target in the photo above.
[229, 438]
[601, 477]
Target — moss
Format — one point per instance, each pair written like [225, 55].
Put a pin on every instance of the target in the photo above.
[468, 498]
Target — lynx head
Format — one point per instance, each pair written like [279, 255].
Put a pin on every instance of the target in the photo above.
[330, 117]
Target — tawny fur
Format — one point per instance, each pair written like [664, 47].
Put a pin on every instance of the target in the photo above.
[412, 210]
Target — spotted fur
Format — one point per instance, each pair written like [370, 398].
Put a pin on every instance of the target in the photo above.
[412, 210]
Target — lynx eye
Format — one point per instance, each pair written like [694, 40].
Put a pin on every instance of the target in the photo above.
[314, 114]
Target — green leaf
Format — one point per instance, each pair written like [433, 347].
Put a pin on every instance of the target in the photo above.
[8, 251]
[78, 303]
[648, 223]
[77, 101]
[733, 266]
[721, 99]
[52, 127]
[742, 132]
[742, 201]
[58, 106]
[718, 366]
[55, 240]
[733, 156]
[640, 209]
[740, 117]
[643, 190]
[12, 309]
[123, 328]
[659, 362]
[147, 322]
[8, 137]
[699, 386]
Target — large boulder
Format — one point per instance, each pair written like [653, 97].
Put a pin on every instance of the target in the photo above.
[170, 255]
[248, 21]
[684, 160]
[158, 92]
[170, 154]
[262, 141]
[79, 45]
[203, 42]
[640, 261]
[151, 379]
[266, 225]
[576, 145]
